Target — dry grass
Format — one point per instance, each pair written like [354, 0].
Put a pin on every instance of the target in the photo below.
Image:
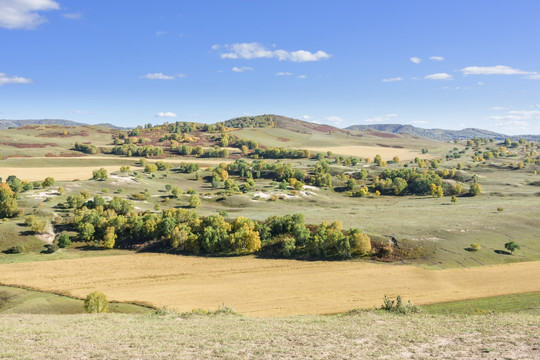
[262, 287]
[387, 153]
[361, 336]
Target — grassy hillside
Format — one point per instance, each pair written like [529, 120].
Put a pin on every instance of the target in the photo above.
[365, 335]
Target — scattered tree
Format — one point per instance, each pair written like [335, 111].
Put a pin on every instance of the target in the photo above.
[96, 302]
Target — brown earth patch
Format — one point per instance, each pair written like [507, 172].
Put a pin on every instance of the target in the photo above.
[283, 139]
[384, 135]
[27, 146]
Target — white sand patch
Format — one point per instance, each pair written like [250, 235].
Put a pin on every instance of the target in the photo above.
[45, 194]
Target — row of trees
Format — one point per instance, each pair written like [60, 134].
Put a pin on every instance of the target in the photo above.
[180, 230]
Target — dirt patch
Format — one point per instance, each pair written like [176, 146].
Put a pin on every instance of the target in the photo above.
[283, 139]
[264, 287]
[27, 146]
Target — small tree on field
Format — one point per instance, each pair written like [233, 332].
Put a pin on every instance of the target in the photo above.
[96, 302]
[454, 199]
[63, 240]
[512, 246]
[48, 182]
[476, 247]
[475, 189]
[100, 174]
[194, 201]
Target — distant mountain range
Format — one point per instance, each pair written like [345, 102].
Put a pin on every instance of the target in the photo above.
[442, 134]
[6, 124]
[283, 122]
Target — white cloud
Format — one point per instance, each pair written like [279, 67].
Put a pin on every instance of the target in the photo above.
[494, 70]
[306, 117]
[515, 119]
[160, 33]
[72, 16]
[436, 58]
[419, 122]
[439, 76]
[255, 50]
[284, 74]
[497, 108]
[242, 69]
[479, 83]
[215, 47]
[161, 76]
[23, 14]
[381, 119]
[334, 119]
[415, 60]
[79, 112]
[302, 76]
[392, 79]
[5, 79]
[166, 114]
[533, 76]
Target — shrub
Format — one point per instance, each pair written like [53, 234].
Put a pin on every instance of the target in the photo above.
[500, 209]
[96, 302]
[63, 240]
[17, 249]
[39, 226]
[397, 306]
[50, 249]
[476, 247]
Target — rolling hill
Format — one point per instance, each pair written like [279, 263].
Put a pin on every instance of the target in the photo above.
[441, 134]
[7, 124]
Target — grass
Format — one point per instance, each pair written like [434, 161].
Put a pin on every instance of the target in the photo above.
[515, 303]
[366, 335]
[23, 301]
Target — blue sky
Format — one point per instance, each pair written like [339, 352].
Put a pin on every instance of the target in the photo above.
[445, 64]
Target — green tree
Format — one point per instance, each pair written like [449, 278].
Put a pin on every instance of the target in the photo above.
[48, 182]
[96, 302]
[63, 240]
[8, 203]
[475, 189]
[194, 201]
[109, 238]
[512, 246]
[100, 174]
[454, 199]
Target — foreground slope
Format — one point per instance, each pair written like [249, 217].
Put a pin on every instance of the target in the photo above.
[366, 335]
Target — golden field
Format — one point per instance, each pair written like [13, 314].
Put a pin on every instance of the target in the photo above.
[387, 153]
[263, 287]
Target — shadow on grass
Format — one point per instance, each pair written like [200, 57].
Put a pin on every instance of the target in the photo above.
[502, 252]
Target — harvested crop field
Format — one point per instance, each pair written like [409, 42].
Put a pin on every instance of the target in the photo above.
[67, 173]
[263, 287]
[387, 153]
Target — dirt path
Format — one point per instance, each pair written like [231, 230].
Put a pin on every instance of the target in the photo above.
[260, 287]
